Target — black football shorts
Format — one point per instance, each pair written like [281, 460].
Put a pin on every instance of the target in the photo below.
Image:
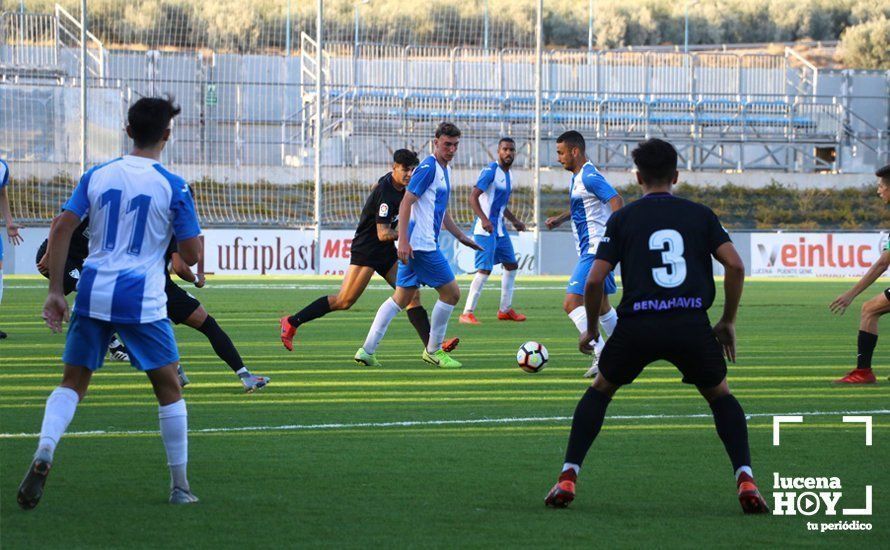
[180, 304]
[686, 340]
[380, 260]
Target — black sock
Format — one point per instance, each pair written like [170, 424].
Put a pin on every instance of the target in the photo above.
[222, 344]
[586, 424]
[732, 429]
[421, 321]
[318, 308]
[866, 347]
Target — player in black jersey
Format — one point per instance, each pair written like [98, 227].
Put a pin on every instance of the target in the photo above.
[182, 307]
[372, 251]
[664, 245]
[77, 253]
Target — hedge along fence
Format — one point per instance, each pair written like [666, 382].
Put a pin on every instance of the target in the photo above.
[291, 205]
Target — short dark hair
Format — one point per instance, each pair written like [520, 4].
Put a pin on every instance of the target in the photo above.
[573, 139]
[406, 158]
[447, 129]
[506, 139]
[149, 117]
[883, 173]
[656, 160]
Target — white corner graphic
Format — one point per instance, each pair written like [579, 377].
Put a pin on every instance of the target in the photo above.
[777, 422]
[862, 420]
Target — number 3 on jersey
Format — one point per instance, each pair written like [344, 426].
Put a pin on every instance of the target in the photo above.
[140, 203]
[670, 243]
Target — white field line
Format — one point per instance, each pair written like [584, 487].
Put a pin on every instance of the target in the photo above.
[416, 423]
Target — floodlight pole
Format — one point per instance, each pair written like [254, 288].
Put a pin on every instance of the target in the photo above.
[485, 25]
[319, 120]
[589, 28]
[539, 38]
[83, 86]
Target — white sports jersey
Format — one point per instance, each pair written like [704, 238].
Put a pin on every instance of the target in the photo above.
[135, 205]
[495, 184]
[432, 185]
[590, 196]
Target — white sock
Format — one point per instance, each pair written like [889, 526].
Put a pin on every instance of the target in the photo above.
[242, 370]
[60, 407]
[174, 432]
[743, 469]
[569, 466]
[608, 321]
[508, 281]
[579, 317]
[475, 292]
[438, 325]
[385, 314]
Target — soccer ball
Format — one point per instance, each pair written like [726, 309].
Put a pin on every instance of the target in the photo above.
[532, 356]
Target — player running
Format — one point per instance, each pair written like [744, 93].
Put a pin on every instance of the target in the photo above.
[372, 251]
[135, 206]
[489, 200]
[592, 201]
[182, 307]
[422, 213]
[664, 245]
[12, 229]
[873, 309]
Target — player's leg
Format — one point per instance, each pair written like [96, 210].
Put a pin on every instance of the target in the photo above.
[732, 427]
[871, 312]
[222, 345]
[84, 353]
[153, 350]
[434, 270]
[484, 264]
[354, 283]
[417, 314]
[587, 421]
[608, 315]
[506, 256]
[385, 314]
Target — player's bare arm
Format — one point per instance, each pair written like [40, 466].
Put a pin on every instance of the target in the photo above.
[386, 234]
[55, 309]
[190, 250]
[12, 228]
[616, 203]
[555, 221]
[842, 302]
[477, 209]
[184, 272]
[451, 227]
[518, 225]
[404, 249]
[733, 281]
[593, 297]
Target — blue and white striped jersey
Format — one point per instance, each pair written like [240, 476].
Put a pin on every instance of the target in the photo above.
[432, 185]
[4, 173]
[135, 206]
[495, 184]
[590, 196]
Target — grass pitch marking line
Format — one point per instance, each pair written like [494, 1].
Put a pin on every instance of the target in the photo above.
[416, 423]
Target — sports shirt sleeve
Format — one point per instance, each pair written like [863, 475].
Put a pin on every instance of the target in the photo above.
[717, 235]
[595, 183]
[386, 206]
[79, 202]
[486, 177]
[423, 177]
[185, 220]
[609, 248]
[4, 174]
